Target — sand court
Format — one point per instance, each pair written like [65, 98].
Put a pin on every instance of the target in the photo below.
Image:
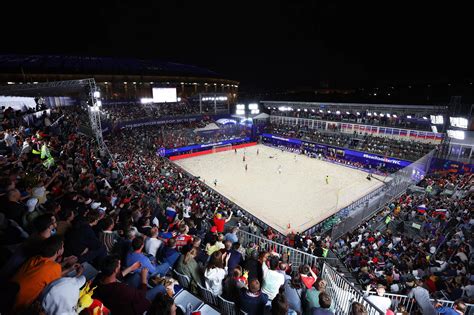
[281, 188]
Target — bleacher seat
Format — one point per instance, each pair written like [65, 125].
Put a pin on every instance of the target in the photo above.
[207, 295]
[183, 280]
[227, 307]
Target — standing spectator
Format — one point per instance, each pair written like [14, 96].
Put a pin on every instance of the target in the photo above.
[235, 256]
[232, 235]
[215, 273]
[312, 294]
[280, 304]
[325, 304]
[422, 298]
[220, 222]
[253, 300]
[272, 279]
[294, 292]
[253, 266]
[382, 302]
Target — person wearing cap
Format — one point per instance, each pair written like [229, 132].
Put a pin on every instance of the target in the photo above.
[61, 296]
[382, 302]
[220, 222]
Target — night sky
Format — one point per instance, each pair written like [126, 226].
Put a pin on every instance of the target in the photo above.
[264, 45]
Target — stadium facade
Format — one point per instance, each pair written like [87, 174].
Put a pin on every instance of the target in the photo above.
[118, 78]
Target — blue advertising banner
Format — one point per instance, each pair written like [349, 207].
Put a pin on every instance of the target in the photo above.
[376, 157]
[290, 140]
[362, 157]
[204, 146]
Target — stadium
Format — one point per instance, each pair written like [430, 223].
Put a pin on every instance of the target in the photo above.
[283, 158]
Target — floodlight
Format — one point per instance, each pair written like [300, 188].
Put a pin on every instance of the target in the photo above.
[338, 112]
[98, 103]
[240, 106]
[357, 113]
[394, 116]
[347, 113]
[96, 94]
[146, 100]
[408, 116]
[240, 112]
[253, 106]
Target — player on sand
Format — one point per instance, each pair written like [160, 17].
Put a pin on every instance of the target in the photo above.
[327, 179]
[279, 169]
[257, 151]
[246, 167]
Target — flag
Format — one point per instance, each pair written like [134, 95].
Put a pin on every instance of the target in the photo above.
[422, 209]
[170, 214]
[325, 252]
[441, 213]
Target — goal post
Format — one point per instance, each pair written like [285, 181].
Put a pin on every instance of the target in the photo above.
[221, 148]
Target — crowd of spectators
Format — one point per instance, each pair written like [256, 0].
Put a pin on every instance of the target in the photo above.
[78, 214]
[425, 251]
[127, 111]
[362, 118]
[68, 211]
[403, 149]
[175, 135]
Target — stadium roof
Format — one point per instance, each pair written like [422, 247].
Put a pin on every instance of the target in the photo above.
[97, 65]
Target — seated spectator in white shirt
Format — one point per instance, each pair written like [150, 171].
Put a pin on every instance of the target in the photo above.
[152, 243]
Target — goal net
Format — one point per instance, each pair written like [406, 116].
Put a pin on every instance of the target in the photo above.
[221, 147]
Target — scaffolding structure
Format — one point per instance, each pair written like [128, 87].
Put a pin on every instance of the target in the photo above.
[94, 115]
[85, 89]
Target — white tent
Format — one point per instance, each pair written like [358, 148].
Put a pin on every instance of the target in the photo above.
[225, 121]
[261, 116]
[210, 127]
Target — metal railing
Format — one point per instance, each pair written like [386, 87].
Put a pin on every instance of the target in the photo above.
[409, 303]
[295, 257]
[343, 293]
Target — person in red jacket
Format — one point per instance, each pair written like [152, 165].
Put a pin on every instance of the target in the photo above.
[220, 222]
